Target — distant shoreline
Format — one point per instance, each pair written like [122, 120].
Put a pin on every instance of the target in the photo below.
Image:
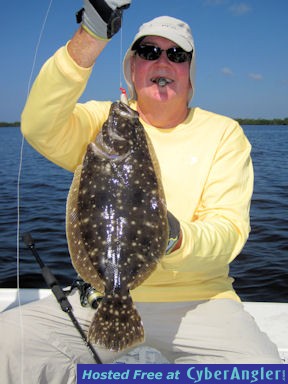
[245, 121]
[263, 121]
[4, 124]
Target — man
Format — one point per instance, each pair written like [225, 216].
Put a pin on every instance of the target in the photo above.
[188, 306]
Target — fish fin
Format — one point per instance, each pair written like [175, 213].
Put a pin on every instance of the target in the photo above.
[146, 271]
[117, 324]
[157, 168]
[78, 253]
[158, 175]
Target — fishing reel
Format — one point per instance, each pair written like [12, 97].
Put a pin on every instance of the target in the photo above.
[88, 294]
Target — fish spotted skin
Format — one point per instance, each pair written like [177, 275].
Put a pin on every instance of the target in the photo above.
[117, 227]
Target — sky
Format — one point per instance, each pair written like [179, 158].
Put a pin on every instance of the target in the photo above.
[241, 52]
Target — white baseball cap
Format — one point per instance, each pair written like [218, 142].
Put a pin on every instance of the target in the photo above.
[171, 28]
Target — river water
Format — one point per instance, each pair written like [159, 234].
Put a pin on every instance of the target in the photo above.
[260, 272]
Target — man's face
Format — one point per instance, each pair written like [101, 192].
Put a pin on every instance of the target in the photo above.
[145, 74]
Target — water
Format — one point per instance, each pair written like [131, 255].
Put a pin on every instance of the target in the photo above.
[260, 272]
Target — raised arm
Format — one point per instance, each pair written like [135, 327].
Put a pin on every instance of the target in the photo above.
[52, 121]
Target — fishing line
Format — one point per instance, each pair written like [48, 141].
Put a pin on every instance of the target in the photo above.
[19, 197]
[22, 148]
[121, 52]
[123, 96]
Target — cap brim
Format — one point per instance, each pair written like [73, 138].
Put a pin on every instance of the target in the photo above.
[168, 34]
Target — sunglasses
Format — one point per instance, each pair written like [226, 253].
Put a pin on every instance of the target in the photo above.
[174, 54]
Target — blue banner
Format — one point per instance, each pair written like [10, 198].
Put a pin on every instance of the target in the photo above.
[181, 373]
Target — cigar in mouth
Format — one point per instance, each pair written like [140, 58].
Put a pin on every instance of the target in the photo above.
[161, 81]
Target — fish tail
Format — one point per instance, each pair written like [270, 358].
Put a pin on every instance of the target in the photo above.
[116, 324]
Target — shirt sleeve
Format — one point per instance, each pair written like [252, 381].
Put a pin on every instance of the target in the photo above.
[52, 121]
[220, 224]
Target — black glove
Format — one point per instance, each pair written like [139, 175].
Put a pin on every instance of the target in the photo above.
[102, 18]
[174, 232]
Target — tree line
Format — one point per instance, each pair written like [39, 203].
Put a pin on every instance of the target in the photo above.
[245, 121]
[5, 124]
[263, 121]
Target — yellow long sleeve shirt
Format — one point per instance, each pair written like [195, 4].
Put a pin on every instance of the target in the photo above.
[206, 172]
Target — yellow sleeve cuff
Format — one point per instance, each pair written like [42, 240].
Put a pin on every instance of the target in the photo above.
[93, 34]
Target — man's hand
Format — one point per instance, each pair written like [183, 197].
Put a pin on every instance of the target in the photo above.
[102, 18]
[175, 234]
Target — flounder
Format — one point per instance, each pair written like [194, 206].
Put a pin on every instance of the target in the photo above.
[116, 224]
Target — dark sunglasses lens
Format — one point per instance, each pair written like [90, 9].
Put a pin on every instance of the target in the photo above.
[148, 52]
[177, 55]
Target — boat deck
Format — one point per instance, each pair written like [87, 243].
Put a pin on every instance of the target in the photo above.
[272, 318]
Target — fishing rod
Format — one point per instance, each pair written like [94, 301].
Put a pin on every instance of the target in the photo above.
[59, 294]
